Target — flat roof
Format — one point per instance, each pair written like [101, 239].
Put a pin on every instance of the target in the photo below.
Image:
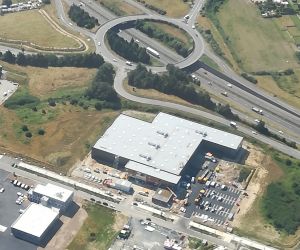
[154, 172]
[53, 191]
[35, 220]
[166, 144]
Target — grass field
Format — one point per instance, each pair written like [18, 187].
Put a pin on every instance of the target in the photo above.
[174, 8]
[31, 26]
[257, 42]
[120, 7]
[70, 130]
[100, 222]
[207, 60]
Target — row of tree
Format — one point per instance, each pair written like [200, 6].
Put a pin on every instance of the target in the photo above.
[102, 89]
[171, 41]
[81, 17]
[91, 60]
[176, 82]
[129, 50]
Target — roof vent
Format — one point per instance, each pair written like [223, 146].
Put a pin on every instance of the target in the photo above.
[164, 134]
[147, 157]
[156, 146]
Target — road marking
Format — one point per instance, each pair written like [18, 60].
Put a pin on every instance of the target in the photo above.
[2, 229]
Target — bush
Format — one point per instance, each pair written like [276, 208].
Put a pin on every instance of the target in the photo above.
[249, 78]
[41, 131]
[51, 102]
[16, 101]
[244, 173]
[28, 134]
[25, 128]
[98, 106]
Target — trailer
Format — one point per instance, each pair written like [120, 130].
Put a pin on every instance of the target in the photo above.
[152, 52]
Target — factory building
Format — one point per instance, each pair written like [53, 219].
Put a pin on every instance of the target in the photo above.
[35, 224]
[51, 196]
[159, 152]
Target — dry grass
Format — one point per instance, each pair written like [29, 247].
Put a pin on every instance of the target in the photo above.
[176, 32]
[257, 42]
[267, 83]
[121, 7]
[57, 78]
[174, 8]
[154, 94]
[31, 26]
[70, 130]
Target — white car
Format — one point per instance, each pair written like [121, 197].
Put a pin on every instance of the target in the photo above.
[280, 132]
[193, 27]
[253, 132]
[137, 41]
[99, 43]
[115, 60]
[2, 190]
[19, 193]
[229, 85]
[257, 121]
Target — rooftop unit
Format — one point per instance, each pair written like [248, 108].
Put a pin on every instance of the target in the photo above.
[164, 134]
[156, 146]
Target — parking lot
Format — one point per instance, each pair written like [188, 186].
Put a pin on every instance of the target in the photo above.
[216, 202]
[9, 213]
[7, 88]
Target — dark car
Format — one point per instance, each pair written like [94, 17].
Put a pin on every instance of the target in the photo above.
[105, 203]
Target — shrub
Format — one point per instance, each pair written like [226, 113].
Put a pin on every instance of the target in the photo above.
[41, 131]
[98, 106]
[16, 101]
[28, 134]
[25, 128]
[51, 102]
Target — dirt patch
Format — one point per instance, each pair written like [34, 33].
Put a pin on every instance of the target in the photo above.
[69, 229]
[249, 220]
[228, 172]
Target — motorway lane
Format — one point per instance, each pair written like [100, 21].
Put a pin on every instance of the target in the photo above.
[243, 99]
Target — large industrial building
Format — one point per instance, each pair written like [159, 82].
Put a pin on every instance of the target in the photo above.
[51, 196]
[159, 152]
[35, 223]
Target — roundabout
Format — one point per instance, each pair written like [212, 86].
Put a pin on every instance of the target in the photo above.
[108, 55]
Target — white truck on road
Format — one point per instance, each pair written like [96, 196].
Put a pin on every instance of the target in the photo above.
[258, 111]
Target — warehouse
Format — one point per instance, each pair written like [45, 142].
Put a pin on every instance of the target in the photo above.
[51, 196]
[159, 151]
[35, 223]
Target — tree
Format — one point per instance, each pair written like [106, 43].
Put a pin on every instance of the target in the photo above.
[9, 57]
[21, 59]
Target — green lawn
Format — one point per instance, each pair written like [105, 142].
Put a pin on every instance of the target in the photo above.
[97, 231]
[256, 42]
[207, 60]
[174, 8]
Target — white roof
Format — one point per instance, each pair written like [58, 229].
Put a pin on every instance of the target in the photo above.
[165, 144]
[35, 220]
[53, 191]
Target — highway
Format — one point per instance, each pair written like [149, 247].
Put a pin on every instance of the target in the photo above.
[275, 118]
